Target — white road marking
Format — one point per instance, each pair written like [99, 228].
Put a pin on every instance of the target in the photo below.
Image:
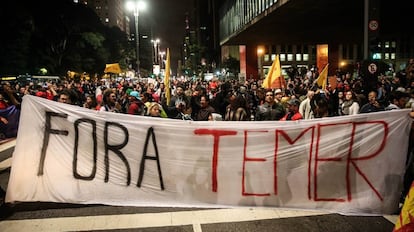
[392, 218]
[148, 220]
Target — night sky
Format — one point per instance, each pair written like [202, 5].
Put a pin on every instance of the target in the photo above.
[169, 24]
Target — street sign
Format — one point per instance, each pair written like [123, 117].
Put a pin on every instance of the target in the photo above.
[372, 68]
[373, 25]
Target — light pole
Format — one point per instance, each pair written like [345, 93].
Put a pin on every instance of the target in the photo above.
[162, 54]
[156, 43]
[260, 52]
[136, 6]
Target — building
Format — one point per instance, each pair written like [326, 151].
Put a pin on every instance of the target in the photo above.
[306, 33]
[113, 13]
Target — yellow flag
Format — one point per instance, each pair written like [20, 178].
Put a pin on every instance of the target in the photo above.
[323, 77]
[112, 68]
[167, 79]
[405, 221]
[274, 73]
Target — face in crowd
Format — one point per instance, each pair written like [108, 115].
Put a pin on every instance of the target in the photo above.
[64, 98]
[179, 91]
[111, 99]
[278, 96]
[204, 101]
[348, 96]
[269, 97]
[154, 111]
[372, 97]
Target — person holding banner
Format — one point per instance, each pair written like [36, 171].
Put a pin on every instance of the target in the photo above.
[110, 103]
[65, 96]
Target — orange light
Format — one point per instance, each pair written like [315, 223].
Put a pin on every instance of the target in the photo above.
[260, 51]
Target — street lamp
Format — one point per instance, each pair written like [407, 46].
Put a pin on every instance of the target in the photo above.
[136, 6]
[162, 54]
[156, 43]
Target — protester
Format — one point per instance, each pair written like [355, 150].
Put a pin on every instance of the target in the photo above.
[110, 103]
[154, 110]
[270, 109]
[236, 110]
[293, 111]
[397, 100]
[179, 105]
[373, 104]
[305, 108]
[90, 103]
[65, 96]
[320, 106]
[136, 106]
[350, 106]
[205, 113]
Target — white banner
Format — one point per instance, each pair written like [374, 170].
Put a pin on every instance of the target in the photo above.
[348, 164]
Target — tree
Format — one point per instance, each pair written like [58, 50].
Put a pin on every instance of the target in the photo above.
[231, 64]
[69, 37]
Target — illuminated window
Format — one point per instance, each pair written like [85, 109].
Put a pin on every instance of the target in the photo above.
[376, 56]
[298, 57]
[387, 44]
[282, 57]
[393, 44]
[305, 57]
[106, 20]
[387, 56]
[392, 56]
[266, 57]
[273, 57]
[290, 57]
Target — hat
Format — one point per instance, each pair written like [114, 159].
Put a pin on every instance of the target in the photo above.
[135, 94]
[278, 91]
[295, 102]
[128, 91]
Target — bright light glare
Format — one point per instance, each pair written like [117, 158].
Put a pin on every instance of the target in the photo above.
[142, 5]
[132, 5]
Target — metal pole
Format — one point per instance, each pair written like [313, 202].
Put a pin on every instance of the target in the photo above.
[366, 11]
[136, 14]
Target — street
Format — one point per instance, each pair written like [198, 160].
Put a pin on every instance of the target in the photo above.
[44, 216]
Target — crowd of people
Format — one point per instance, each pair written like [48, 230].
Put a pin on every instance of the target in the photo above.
[231, 100]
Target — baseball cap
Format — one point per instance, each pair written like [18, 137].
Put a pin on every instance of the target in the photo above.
[295, 102]
[135, 94]
[278, 91]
